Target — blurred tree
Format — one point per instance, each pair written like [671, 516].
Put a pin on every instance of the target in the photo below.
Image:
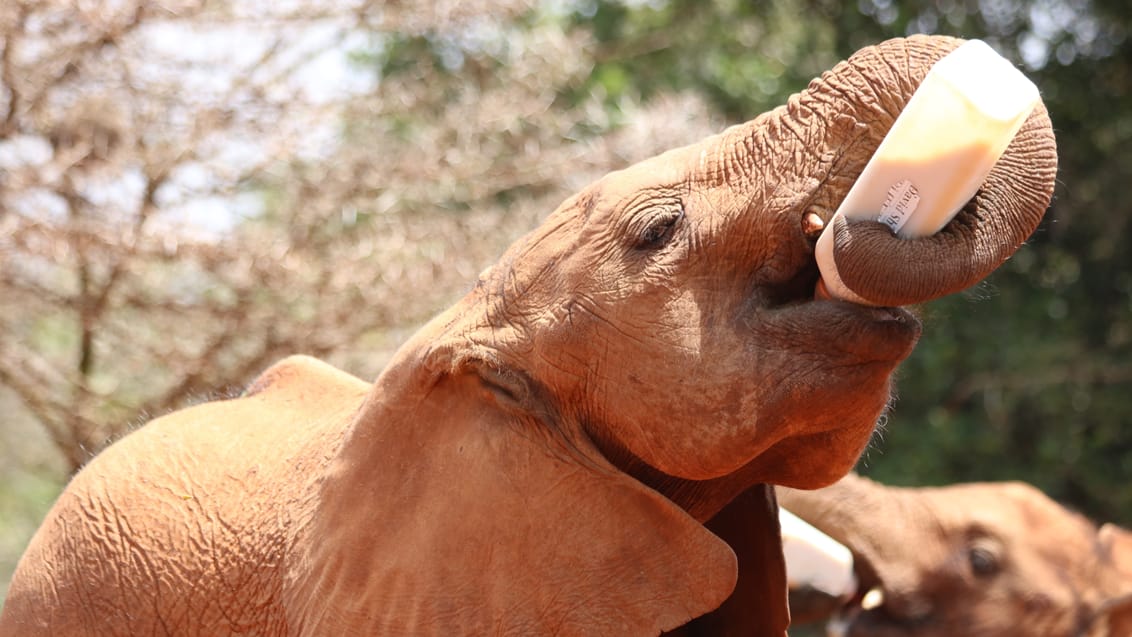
[185, 197]
[746, 57]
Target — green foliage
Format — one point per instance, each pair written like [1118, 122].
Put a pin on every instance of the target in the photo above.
[745, 57]
[31, 478]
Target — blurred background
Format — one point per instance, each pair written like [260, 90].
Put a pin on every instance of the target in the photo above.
[191, 189]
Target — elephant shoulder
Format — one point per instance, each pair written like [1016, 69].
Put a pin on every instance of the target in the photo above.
[203, 501]
[298, 407]
[284, 405]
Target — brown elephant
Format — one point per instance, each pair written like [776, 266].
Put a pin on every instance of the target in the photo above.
[976, 559]
[582, 444]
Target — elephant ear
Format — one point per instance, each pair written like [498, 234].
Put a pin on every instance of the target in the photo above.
[1117, 545]
[454, 515]
[1114, 617]
[758, 606]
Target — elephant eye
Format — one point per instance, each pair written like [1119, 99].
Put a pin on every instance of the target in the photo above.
[984, 562]
[659, 228]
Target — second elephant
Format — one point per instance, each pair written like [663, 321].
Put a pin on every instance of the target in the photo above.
[975, 559]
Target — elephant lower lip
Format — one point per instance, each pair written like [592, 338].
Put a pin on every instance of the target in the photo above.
[868, 611]
[850, 334]
[880, 313]
[874, 333]
[898, 314]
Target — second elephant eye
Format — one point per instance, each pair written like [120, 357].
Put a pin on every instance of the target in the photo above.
[658, 229]
[983, 561]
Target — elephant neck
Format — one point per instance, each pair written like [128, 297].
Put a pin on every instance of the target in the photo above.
[702, 499]
[454, 343]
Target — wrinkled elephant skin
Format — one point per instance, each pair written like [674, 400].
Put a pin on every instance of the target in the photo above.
[975, 559]
[580, 446]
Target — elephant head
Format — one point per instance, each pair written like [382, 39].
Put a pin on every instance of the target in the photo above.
[659, 339]
[668, 308]
[977, 559]
[582, 444]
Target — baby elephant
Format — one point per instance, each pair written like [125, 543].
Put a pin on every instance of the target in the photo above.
[977, 559]
[583, 444]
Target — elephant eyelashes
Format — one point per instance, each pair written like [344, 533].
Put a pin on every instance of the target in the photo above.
[659, 228]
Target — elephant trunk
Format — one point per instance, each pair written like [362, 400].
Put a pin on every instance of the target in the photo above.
[846, 510]
[830, 131]
[873, 521]
[858, 513]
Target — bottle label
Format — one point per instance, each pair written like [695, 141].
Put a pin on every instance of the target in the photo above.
[899, 204]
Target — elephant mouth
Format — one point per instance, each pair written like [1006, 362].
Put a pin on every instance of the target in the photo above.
[874, 610]
[866, 334]
[850, 333]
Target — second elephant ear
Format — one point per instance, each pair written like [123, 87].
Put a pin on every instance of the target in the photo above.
[1114, 616]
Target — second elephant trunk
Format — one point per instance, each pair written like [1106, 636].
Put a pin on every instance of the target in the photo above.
[859, 513]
